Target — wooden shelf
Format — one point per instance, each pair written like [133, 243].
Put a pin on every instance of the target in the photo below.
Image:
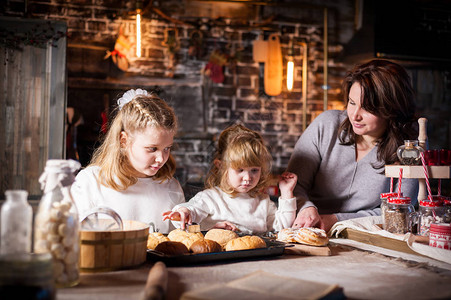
[438, 172]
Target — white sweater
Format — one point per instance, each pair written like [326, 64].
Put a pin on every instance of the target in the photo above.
[250, 215]
[144, 201]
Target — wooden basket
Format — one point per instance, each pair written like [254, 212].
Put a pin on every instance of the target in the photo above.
[113, 250]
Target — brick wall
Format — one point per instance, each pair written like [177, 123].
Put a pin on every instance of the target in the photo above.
[204, 108]
[93, 27]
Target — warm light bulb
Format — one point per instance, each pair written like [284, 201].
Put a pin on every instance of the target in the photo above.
[138, 35]
[290, 74]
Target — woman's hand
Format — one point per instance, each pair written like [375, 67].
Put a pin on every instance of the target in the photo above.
[287, 182]
[225, 225]
[308, 217]
[182, 214]
[327, 221]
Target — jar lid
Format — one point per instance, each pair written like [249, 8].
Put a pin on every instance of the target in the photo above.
[428, 203]
[26, 268]
[440, 228]
[389, 195]
[62, 165]
[399, 200]
[440, 197]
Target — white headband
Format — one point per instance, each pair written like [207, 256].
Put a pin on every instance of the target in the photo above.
[128, 96]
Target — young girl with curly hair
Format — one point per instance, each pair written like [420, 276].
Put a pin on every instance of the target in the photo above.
[235, 197]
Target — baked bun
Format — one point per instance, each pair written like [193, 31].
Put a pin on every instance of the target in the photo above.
[205, 246]
[221, 236]
[172, 248]
[154, 239]
[287, 235]
[187, 238]
[245, 242]
[311, 236]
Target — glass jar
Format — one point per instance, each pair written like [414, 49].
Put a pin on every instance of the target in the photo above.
[409, 153]
[400, 215]
[447, 205]
[56, 222]
[27, 276]
[429, 212]
[384, 197]
[440, 236]
[16, 223]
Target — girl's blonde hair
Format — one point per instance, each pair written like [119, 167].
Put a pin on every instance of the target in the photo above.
[142, 111]
[239, 147]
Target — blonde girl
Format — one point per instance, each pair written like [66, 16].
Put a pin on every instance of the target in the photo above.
[235, 197]
[132, 170]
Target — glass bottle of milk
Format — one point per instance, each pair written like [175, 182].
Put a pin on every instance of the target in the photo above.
[16, 223]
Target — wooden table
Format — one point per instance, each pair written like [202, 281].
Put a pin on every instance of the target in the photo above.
[362, 274]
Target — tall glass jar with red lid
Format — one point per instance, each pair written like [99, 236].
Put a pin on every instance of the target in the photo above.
[384, 197]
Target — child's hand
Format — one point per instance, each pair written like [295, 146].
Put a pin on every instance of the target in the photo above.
[226, 225]
[182, 214]
[287, 183]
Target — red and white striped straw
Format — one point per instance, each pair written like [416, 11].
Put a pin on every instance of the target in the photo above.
[391, 184]
[426, 176]
[399, 182]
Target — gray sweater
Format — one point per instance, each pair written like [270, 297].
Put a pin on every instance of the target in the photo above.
[329, 177]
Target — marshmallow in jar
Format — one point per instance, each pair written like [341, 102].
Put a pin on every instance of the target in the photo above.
[56, 222]
[430, 212]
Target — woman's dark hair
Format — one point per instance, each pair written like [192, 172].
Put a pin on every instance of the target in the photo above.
[387, 93]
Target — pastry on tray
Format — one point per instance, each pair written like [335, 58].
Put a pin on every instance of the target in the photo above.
[245, 242]
[221, 236]
[154, 239]
[205, 246]
[187, 238]
[172, 248]
[306, 235]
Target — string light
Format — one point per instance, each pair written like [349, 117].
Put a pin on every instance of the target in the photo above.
[290, 74]
[138, 32]
[290, 67]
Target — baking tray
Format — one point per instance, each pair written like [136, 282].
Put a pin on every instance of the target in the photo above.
[274, 248]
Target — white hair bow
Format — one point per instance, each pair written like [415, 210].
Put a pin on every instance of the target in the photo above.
[128, 96]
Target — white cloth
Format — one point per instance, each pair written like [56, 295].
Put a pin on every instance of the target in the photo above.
[368, 225]
[144, 201]
[437, 253]
[250, 215]
[365, 224]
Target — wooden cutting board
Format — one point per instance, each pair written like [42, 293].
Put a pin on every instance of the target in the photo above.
[273, 67]
[260, 50]
[381, 241]
[300, 249]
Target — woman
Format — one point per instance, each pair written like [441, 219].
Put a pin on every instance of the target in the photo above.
[339, 159]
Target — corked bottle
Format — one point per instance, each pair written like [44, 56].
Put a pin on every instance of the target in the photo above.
[409, 153]
[400, 215]
[56, 223]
